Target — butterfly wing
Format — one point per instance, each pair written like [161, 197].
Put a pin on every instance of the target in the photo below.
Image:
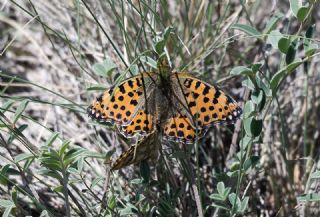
[201, 106]
[144, 149]
[207, 104]
[142, 123]
[179, 129]
[124, 105]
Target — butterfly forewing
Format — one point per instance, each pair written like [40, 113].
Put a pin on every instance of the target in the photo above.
[206, 103]
[124, 104]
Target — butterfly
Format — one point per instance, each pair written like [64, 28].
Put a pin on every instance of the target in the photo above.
[162, 104]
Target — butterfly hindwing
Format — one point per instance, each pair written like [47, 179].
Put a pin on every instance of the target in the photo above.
[144, 149]
[142, 123]
[178, 128]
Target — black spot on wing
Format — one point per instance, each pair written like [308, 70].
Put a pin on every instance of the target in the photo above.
[138, 82]
[187, 83]
[130, 83]
[134, 102]
[122, 89]
[192, 104]
[99, 98]
[217, 94]
[130, 94]
[206, 90]
[198, 83]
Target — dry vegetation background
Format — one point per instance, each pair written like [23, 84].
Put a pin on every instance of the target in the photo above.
[48, 49]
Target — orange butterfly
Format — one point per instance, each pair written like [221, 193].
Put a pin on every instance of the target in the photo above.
[162, 104]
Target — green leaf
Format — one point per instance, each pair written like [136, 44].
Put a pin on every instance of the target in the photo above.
[73, 171]
[241, 70]
[7, 105]
[63, 147]
[247, 29]
[134, 69]
[58, 189]
[264, 86]
[291, 52]
[7, 211]
[105, 68]
[272, 23]
[149, 61]
[312, 48]
[308, 36]
[136, 181]
[302, 13]
[221, 188]
[4, 174]
[252, 126]
[298, 10]
[244, 205]
[216, 197]
[315, 175]
[44, 213]
[248, 109]
[145, 171]
[258, 97]
[129, 210]
[245, 142]
[13, 135]
[50, 141]
[51, 164]
[6, 203]
[167, 32]
[233, 198]
[161, 43]
[223, 191]
[96, 181]
[80, 164]
[234, 169]
[310, 31]
[159, 46]
[112, 202]
[248, 83]
[14, 195]
[23, 156]
[274, 37]
[51, 173]
[308, 197]
[22, 106]
[72, 155]
[220, 206]
[251, 162]
[294, 6]
[255, 67]
[279, 76]
[284, 44]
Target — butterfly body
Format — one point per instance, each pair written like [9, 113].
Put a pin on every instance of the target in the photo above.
[165, 104]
